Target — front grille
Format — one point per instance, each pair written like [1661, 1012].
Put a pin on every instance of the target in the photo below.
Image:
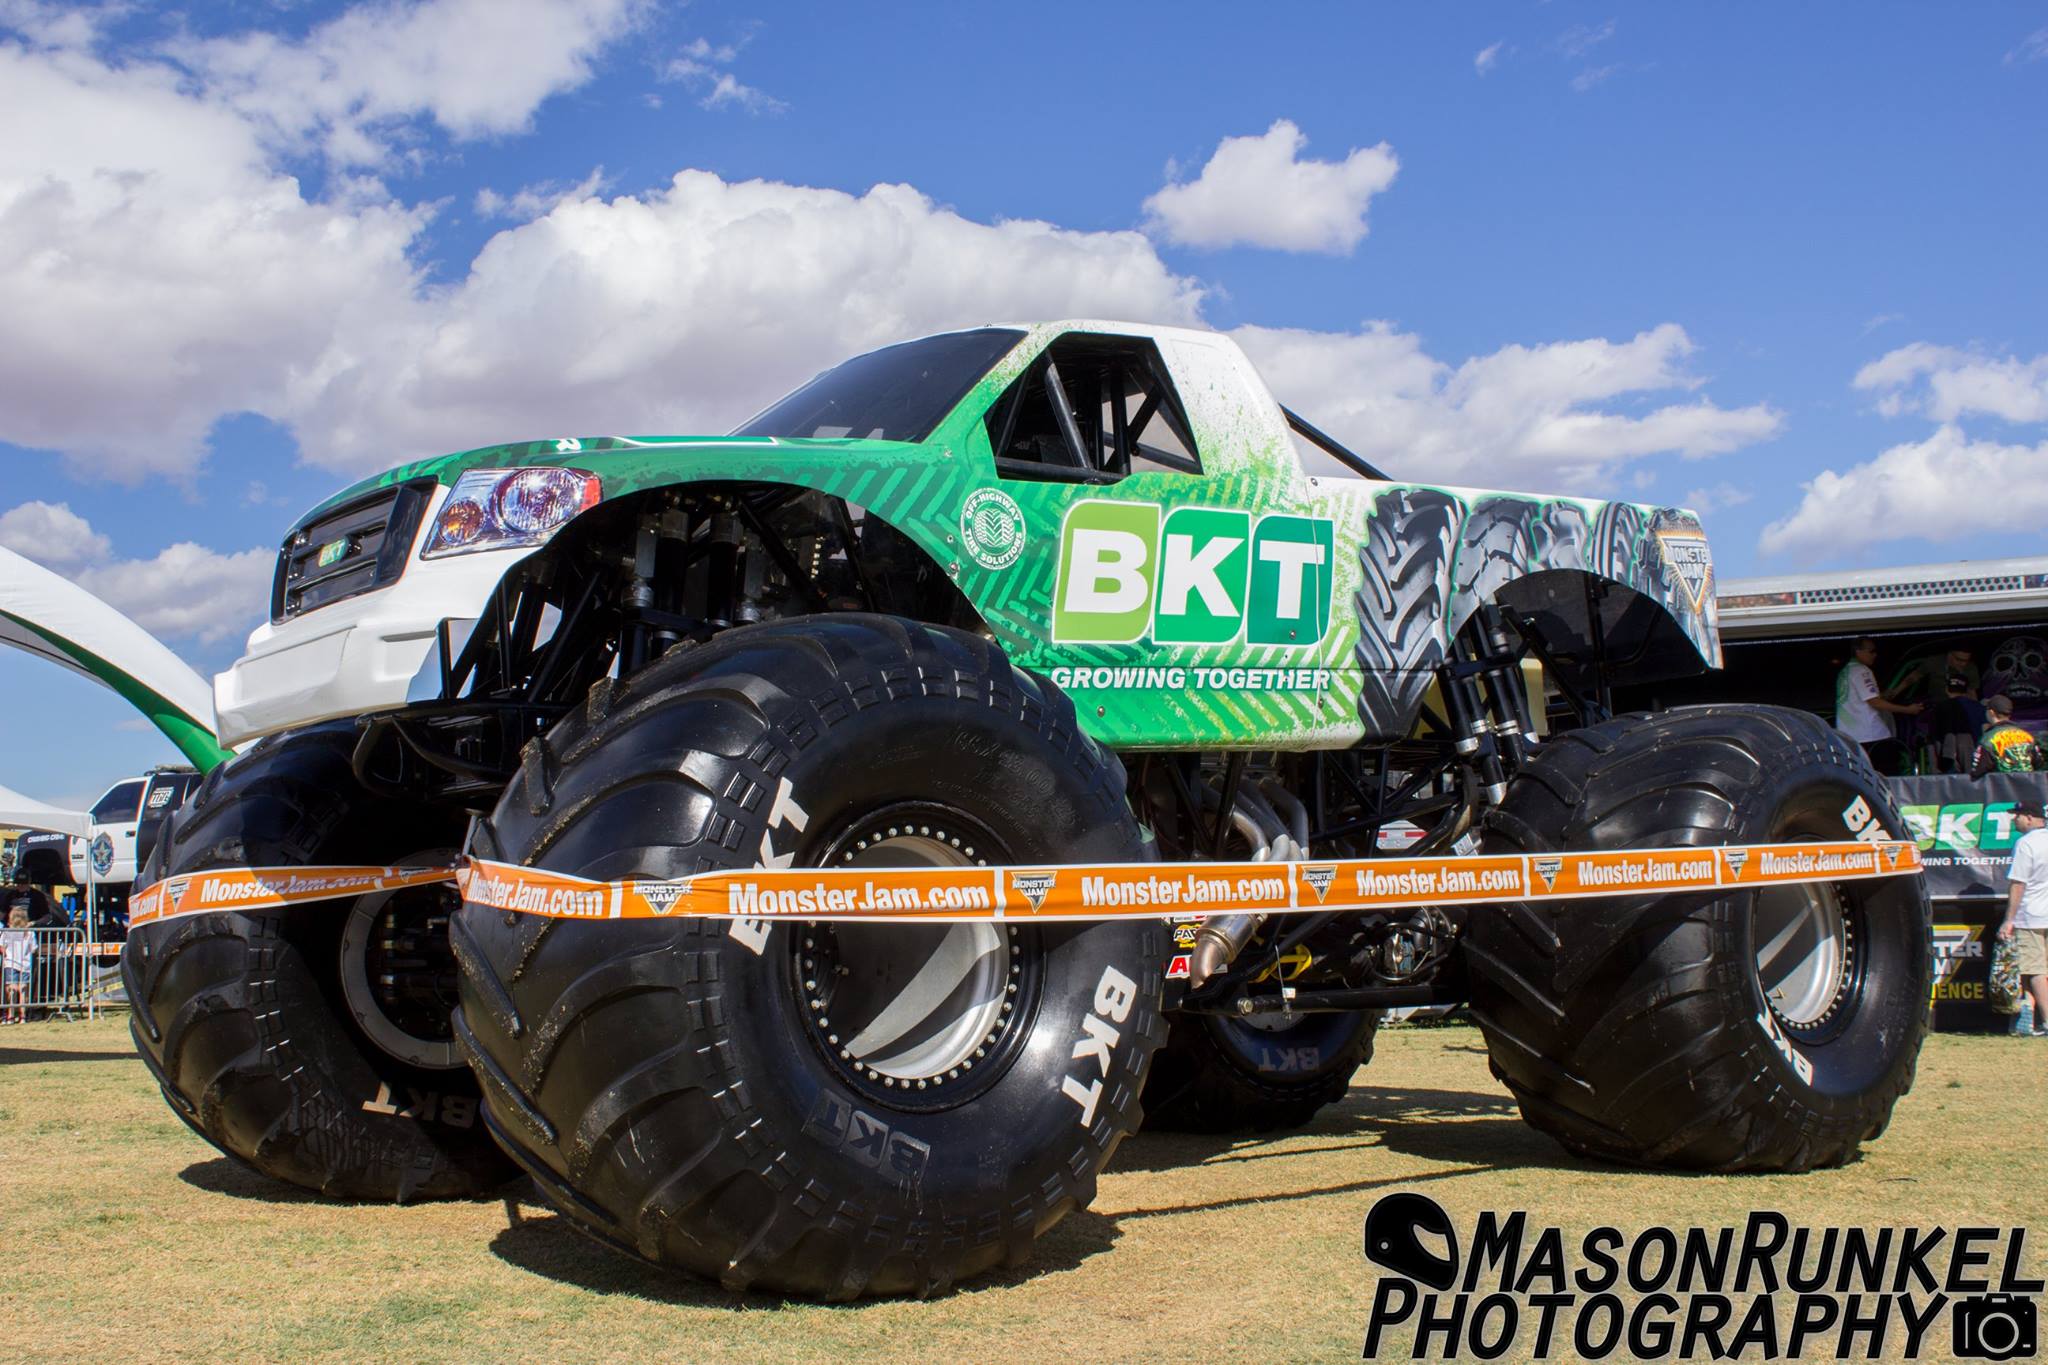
[351, 550]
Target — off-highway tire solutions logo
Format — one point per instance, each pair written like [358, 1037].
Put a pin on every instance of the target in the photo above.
[992, 528]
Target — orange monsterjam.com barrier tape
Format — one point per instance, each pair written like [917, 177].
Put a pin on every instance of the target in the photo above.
[1070, 893]
[268, 888]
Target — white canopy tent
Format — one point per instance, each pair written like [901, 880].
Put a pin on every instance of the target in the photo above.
[25, 812]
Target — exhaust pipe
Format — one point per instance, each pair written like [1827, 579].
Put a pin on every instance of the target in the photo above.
[1222, 937]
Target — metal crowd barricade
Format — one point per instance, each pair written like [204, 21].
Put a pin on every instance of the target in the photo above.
[68, 975]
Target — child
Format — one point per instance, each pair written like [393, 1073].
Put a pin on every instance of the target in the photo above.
[17, 956]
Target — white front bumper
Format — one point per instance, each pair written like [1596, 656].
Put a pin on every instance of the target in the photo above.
[355, 656]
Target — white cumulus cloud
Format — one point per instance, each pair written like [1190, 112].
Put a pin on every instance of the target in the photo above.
[184, 592]
[160, 269]
[158, 273]
[53, 535]
[1946, 383]
[687, 308]
[1259, 191]
[475, 67]
[1487, 58]
[1947, 487]
[1525, 417]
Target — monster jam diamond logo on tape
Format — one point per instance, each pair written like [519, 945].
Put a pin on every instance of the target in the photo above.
[1691, 563]
[992, 528]
[1319, 878]
[661, 897]
[1548, 868]
[1033, 886]
[1203, 575]
[1737, 858]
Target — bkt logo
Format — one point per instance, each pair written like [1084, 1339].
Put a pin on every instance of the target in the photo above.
[1987, 826]
[1202, 576]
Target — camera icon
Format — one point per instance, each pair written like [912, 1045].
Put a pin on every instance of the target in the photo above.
[1993, 1327]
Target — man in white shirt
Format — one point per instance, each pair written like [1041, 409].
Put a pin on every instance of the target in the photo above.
[1863, 712]
[2026, 914]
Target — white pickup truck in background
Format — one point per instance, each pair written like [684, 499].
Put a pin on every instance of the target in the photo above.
[125, 821]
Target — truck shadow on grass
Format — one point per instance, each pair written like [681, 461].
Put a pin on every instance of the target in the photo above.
[233, 1179]
[1462, 1126]
[25, 1056]
[546, 1244]
[1474, 1134]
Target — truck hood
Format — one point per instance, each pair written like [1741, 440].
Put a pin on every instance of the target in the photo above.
[623, 462]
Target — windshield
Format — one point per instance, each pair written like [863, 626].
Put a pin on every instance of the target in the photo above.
[898, 393]
[118, 804]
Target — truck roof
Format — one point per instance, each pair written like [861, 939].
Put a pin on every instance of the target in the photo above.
[1901, 597]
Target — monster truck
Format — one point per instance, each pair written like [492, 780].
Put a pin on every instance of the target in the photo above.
[1077, 592]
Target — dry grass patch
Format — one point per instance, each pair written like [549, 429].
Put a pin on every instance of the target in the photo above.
[123, 1235]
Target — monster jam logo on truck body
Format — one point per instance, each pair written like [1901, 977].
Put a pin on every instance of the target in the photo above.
[1203, 576]
[1690, 562]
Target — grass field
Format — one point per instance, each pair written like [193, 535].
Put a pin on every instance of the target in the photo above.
[124, 1236]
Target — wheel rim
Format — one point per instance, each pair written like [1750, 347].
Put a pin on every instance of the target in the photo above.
[398, 971]
[1804, 952]
[912, 1012]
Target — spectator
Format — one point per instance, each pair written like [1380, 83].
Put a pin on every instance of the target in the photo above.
[25, 895]
[17, 960]
[1924, 678]
[2005, 747]
[1862, 712]
[2026, 915]
[1958, 721]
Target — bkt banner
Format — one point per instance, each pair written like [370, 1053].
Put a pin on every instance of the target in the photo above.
[1965, 829]
[1966, 832]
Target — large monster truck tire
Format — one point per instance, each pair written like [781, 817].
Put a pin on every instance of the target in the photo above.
[817, 1109]
[1767, 1030]
[314, 1045]
[1259, 1073]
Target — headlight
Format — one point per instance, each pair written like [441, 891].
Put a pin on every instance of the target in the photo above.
[501, 509]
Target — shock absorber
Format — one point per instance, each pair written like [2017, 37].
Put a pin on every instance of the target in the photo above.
[1507, 698]
[1471, 729]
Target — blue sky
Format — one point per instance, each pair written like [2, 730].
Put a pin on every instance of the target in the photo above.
[1784, 262]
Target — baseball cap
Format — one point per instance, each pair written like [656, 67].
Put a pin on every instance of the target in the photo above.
[2000, 703]
[2032, 808]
